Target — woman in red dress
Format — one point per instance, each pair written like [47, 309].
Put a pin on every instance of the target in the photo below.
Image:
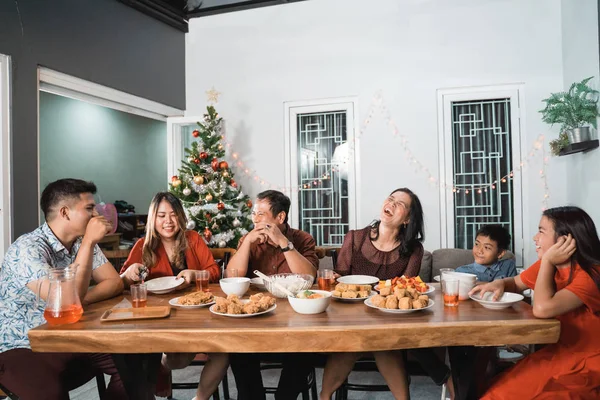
[566, 280]
[168, 250]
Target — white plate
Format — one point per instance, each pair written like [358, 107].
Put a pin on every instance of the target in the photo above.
[430, 289]
[358, 279]
[258, 282]
[174, 303]
[391, 311]
[373, 293]
[211, 309]
[507, 300]
[164, 285]
[436, 278]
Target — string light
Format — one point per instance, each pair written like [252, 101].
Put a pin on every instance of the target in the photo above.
[377, 105]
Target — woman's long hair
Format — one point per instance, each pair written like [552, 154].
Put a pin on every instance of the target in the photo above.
[578, 223]
[153, 240]
[410, 234]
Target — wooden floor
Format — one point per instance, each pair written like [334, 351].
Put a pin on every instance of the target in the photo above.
[422, 388]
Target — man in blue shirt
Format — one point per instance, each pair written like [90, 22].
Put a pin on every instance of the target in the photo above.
[490, 246]
[69, 236]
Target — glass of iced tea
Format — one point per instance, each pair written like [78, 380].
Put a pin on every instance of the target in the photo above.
[325, 279]
[450, 292]
[139, 295]
[202, 278]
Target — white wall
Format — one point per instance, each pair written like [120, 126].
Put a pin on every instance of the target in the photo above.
[409, 49]
[580, 60]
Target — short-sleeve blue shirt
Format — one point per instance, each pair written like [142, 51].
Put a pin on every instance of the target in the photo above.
[28, 259]
[488, 273]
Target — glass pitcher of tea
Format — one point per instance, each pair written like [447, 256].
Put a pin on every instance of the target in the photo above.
[62, 302]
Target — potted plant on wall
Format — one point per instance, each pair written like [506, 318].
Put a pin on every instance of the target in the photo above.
[575, 110]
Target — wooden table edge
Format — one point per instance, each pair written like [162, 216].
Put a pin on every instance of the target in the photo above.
[296, 339]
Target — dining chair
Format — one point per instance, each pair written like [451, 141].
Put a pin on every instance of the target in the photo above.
[117, 257]
[100, 383]
[4, 393]
[222, 257]
[310, 390]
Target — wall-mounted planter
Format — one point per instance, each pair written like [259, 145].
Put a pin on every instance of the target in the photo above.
[579, 147]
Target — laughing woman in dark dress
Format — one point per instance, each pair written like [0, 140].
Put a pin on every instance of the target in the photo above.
[388, 248]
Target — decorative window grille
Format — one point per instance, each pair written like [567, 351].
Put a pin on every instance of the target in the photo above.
[322, 154]
[482, 164]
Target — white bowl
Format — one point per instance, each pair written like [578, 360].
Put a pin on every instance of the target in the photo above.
[507, 300]
[311, 306]
[237, 286]
[467, 282]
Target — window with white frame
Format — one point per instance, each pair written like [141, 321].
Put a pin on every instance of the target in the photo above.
[321, 169]
[482, 163]
[480, 145]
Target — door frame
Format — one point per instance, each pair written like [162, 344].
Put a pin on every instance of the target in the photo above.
[79, 89]
[445, 97]
[291, 111]
[174, 143]
[6, 214]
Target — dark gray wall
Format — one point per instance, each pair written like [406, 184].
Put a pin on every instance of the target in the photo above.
[102, 41]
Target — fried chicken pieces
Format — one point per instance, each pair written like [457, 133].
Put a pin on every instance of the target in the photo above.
[403, 299]
[195, 298]
[233, 305]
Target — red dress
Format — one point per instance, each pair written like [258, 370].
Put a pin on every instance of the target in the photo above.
[197, 257]
[569, 369]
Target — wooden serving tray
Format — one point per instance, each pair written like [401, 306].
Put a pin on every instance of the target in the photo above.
[129, 314]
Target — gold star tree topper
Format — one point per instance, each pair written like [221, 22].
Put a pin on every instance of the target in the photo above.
[212, 96]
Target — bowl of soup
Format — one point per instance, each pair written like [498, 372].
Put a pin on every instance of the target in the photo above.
[310, 301]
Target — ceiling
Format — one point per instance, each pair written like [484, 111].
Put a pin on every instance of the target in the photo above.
[177, 12]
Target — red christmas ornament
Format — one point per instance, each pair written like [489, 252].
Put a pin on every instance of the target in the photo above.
[214, 164]
[233, 183]
[249, 203]
[207, 234]
[174, 178]
[223, 165]
[221, 206]
[196, 133]
[196, 161]
[208, 217]
[204, 155]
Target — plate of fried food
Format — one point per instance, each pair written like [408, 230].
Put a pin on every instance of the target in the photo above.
[351, 293]
[402, 282]
[193, 300]
[235, 307]
[400, 302]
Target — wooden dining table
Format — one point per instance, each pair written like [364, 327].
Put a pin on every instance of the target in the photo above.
[344, 327]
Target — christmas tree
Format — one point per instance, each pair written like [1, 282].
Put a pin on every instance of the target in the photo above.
[214, 203]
